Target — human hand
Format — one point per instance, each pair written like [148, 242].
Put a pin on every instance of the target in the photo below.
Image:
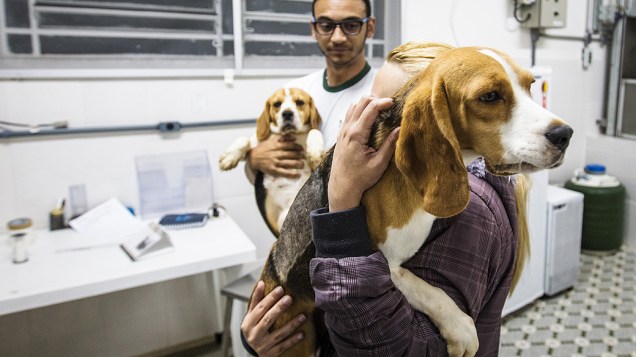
[356, 167]
[279, 155]
[261, 315]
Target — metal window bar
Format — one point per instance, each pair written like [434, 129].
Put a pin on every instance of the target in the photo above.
[105, 5]
[4, 47]
[35, 35]
[250, 35]
[237, 25]
[127, 12]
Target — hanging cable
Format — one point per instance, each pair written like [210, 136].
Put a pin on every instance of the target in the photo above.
[515, 13]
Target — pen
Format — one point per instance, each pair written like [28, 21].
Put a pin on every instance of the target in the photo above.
[59, 208]
[61, 203]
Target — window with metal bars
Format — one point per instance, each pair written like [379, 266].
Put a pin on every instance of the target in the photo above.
[170, 33]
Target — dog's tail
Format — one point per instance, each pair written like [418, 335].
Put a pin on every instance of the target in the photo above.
[522, 187]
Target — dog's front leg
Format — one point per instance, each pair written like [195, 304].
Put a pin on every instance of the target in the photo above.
[315, 148]
[235, 153]
[457, 328]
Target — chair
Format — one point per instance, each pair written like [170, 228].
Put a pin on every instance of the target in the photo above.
[241, 290]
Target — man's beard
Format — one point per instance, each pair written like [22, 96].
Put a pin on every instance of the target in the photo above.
[339, 61]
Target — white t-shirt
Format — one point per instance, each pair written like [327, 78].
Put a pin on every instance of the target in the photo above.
[333, 102]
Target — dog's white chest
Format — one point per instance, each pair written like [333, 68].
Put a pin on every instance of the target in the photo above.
[403, 242]
[283, 190]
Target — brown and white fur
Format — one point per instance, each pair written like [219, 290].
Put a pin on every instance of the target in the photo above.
[468, 102]
[288, 111]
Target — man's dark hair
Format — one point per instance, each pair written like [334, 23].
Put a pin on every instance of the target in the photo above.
[367, 3]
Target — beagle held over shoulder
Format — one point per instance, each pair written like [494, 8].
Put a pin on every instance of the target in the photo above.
[469, 102]
[291, 112]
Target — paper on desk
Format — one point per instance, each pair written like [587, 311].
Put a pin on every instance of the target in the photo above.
[108, 223]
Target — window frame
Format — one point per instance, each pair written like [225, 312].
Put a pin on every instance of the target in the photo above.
[238, 65]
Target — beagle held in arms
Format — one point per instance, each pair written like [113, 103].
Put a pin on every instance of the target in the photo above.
[288, 111]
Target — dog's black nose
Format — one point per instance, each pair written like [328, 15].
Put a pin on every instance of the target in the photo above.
[288, 115]
[560, 136]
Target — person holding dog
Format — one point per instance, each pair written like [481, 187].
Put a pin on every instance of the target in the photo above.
[479, 284]
[340, 28]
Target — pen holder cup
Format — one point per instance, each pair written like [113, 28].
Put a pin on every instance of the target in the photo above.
[56, 221]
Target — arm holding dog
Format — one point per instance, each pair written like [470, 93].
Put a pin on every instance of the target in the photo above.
[276, 156]
[262, 312]
[356, 166]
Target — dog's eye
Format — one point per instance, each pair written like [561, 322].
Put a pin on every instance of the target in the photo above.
[277, 104]
[300, 102]
[490, 97]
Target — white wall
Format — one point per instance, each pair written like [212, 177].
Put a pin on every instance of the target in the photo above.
[35, 173]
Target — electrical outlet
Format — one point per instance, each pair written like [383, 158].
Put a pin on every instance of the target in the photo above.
[544, 14]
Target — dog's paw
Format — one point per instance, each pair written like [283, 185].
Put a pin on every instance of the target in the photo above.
[314, 158]
[229, 160]
[315, 148]
[235, 153]
[461, 336]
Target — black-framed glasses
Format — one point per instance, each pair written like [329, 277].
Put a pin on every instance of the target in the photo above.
[349, 27]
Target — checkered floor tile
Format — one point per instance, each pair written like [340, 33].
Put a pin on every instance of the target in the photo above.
[596, 318]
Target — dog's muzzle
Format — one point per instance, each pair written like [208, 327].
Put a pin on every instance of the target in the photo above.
[288, 121]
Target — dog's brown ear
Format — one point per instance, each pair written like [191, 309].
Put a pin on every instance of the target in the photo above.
[428, 152]
[262, 123]
[314, 116]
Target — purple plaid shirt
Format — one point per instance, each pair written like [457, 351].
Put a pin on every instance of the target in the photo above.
[470, 256]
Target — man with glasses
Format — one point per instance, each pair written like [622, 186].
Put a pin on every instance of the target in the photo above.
[341, 28]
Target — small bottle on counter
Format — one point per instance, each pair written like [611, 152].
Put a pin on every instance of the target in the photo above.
[19, 229]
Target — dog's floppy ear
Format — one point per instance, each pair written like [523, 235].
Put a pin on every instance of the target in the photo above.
[262, 123]
[314, 116]
[428, 152]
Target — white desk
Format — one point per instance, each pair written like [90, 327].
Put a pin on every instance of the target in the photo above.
[51, 277]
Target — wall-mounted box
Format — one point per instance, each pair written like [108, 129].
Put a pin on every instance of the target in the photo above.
[544, 14]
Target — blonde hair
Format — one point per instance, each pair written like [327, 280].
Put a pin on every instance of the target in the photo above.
[413, 56]
[523, 184]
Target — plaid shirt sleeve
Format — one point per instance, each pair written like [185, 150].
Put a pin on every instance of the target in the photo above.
[364, 312]
[469, 256]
